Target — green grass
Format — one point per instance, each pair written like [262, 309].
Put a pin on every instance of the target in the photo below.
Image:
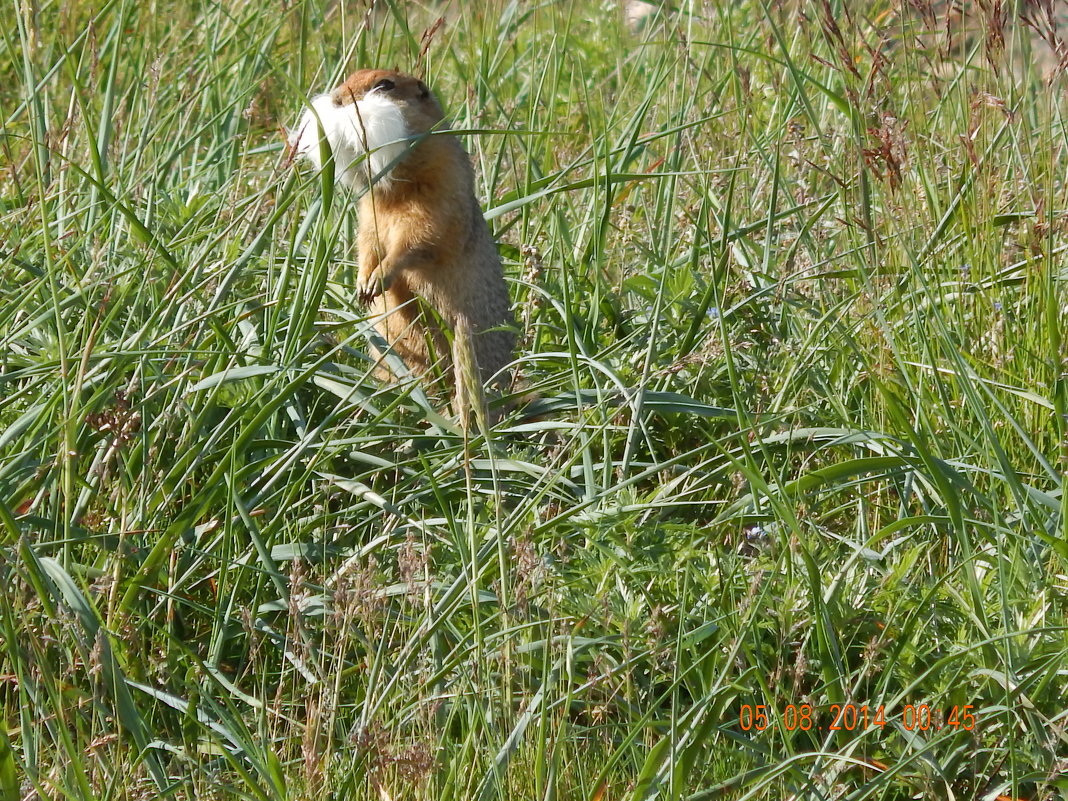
[793, 298]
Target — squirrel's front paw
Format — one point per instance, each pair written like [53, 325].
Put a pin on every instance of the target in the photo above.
[370, 286]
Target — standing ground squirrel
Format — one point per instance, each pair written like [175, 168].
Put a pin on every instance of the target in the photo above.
[422, 235]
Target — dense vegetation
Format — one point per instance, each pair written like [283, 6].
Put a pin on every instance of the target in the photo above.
[791, 283]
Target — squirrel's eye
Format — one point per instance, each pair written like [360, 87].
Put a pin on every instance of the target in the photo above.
[384, 85]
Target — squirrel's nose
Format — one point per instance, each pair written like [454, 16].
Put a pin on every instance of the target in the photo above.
[342, 95]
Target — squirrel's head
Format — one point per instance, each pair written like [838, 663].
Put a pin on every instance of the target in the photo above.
[376, 113]
[417, 103]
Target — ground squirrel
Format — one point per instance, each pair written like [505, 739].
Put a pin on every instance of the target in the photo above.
[422, 236]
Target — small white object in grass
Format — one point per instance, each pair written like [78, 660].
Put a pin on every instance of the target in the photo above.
[638, 13]
[374, 125]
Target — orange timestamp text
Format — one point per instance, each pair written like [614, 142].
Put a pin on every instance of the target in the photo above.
[853, 717]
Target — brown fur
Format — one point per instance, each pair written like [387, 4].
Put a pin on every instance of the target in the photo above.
[422, 236]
